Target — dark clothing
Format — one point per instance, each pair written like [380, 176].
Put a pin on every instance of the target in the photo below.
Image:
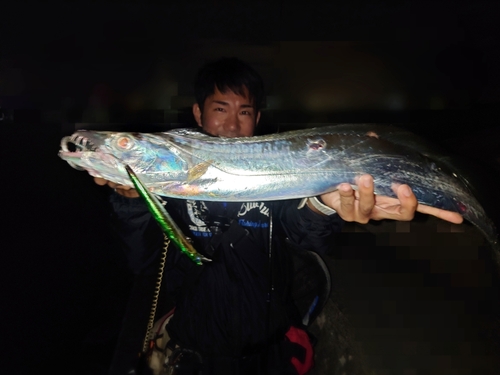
[241, 301]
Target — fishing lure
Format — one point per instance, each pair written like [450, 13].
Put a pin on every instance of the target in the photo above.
[165, 221]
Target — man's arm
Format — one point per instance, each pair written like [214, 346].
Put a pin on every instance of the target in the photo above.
[308, 229]
[140, 236]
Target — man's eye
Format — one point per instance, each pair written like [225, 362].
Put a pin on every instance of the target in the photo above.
[219, 109]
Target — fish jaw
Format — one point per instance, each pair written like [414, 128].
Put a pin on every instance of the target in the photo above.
[98, 164]
[73, 159]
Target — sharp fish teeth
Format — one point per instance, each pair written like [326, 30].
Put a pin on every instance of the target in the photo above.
[79, 141]
[64, 143]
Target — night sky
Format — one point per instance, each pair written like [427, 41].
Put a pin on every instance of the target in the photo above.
[126, 64]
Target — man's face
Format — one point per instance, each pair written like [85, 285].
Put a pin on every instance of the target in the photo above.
[227, 115]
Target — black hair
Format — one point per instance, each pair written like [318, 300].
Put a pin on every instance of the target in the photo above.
[229, 73]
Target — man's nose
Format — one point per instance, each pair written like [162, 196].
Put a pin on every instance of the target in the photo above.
[232, 123]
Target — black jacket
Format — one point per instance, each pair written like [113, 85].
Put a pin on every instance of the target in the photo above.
[236, 303]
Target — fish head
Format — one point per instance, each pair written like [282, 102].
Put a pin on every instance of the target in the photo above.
[104, 154]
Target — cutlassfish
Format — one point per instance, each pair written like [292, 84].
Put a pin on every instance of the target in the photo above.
[185, 163]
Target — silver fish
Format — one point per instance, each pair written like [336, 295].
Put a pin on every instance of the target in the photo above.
[185, 163]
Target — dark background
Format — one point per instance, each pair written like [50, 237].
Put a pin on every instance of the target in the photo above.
[130, 65]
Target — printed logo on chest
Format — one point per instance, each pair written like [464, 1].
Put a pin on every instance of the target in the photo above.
[246, 207]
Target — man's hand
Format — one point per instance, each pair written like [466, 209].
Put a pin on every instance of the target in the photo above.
[126, 191]
[363, 205]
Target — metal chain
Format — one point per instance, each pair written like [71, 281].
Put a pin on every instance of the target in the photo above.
[156, 295]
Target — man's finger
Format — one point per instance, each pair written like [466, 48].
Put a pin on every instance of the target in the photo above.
[450, 216]
[366, 196]
[408, 201]
[409, 204]
[100, 181]
[123, 187]
[346, 209]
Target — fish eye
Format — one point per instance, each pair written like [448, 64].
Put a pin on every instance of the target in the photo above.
[124, 142]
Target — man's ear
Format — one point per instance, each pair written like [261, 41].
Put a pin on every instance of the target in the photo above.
[257, 119]
[197, 114]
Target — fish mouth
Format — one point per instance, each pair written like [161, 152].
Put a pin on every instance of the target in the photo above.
[74, 146]
[85, 153]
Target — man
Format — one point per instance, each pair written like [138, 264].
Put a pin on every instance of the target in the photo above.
[235, 315]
